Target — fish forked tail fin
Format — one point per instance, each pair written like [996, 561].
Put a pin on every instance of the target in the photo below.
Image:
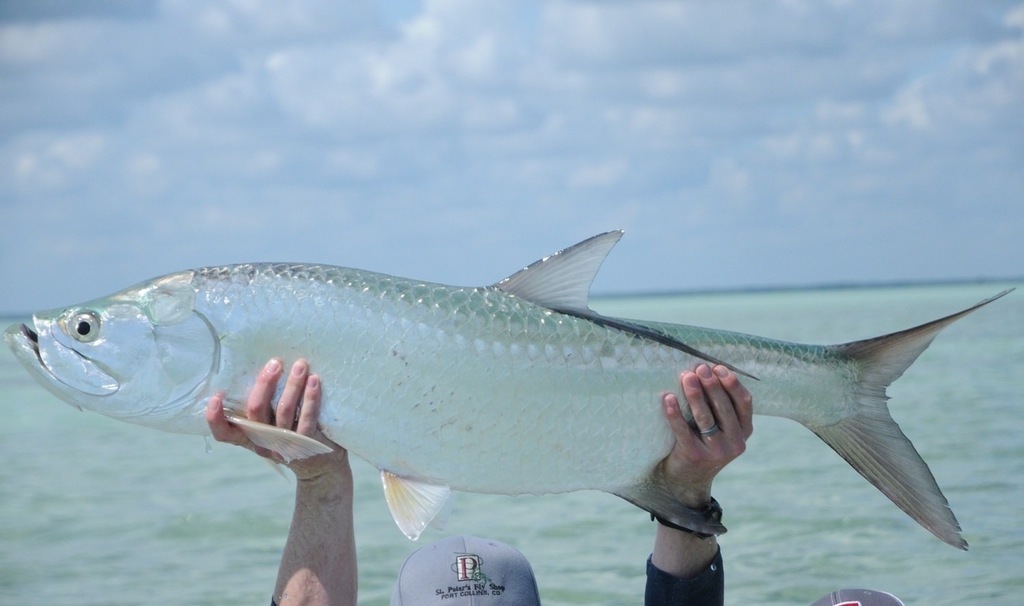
[873, 443]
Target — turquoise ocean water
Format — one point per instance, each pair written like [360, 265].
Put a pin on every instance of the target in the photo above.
[93, 511]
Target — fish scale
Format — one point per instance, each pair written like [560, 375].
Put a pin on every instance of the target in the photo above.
[514, 388]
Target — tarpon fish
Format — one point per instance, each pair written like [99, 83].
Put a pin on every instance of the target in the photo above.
[513, 388]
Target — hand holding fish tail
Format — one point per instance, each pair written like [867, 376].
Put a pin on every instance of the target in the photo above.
[716, 398]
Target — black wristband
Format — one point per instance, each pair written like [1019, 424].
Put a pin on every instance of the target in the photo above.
[712, 512]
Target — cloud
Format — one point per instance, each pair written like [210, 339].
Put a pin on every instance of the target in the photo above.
[354, 132]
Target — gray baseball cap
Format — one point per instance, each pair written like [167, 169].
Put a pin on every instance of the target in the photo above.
[465, 570]
[858, 597]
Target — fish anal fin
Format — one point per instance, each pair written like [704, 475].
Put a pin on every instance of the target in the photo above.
[289, 444]
[414, 503]
[655, 496]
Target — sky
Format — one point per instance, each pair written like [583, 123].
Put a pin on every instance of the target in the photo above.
[740, 144]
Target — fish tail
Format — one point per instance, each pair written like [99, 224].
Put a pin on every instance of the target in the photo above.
[873, 443]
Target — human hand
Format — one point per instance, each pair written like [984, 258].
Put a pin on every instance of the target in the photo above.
[297, 410]
[716, 399]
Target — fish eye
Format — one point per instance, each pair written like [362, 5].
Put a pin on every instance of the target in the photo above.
[83, 326]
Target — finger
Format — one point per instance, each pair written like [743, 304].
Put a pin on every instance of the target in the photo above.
[220, 427]
[693, 390]
[291, 396]
[257, 407]
[310, 412]
[688, 443]
[721, 404]
[742, 400]
[674, 414]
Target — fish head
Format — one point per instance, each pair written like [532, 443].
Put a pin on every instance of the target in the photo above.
[143, 355]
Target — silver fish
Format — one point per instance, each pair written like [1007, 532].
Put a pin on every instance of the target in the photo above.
[514, 388]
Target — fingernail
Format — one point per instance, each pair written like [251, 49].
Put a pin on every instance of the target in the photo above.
[704, 371]
[313, 381]
[298, 369]
[722, 371]
[272, 367]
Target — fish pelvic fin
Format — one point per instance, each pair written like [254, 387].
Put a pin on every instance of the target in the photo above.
[873, 443]
[654, 495]
[414, 503]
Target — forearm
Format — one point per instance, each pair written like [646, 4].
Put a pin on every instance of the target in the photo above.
[687, 567]
[684, 567]
[685, 554]
[318, 566]
[682, 554]
[694, 580]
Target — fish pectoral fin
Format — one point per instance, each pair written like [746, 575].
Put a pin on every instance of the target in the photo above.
[414, 503]
[288, 444]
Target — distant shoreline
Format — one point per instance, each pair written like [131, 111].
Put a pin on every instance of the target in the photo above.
[736, 290]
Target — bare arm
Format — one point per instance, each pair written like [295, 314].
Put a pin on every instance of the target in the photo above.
[318, 566]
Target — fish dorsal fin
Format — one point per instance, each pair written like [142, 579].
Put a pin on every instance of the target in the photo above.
[562, 281]
[413, 503]
[289, 444]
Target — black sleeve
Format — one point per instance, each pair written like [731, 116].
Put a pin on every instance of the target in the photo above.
[705, 589]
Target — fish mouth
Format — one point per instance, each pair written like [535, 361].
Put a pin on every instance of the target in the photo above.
[58, 364]
[21, 337]
[31, 339]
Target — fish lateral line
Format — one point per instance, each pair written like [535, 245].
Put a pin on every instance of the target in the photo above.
[561, 282]
[650, 334]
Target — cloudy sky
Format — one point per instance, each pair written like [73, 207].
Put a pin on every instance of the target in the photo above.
[740, 144]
